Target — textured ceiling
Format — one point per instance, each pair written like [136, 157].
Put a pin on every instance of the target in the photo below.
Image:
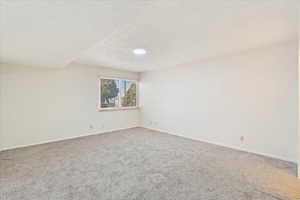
[52, 33]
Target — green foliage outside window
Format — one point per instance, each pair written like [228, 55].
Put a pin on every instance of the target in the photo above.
[129, 98]
[118, 93]
[109, 93]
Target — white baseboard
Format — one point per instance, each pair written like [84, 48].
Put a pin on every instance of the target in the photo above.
[67, 138]
[155, 129]
[223, 145]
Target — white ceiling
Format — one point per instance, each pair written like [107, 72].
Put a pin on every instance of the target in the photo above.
[53, 33]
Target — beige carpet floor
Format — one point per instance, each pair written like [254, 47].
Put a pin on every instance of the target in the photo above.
[140, 164]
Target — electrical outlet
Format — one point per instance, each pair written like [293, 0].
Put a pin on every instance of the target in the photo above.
[242, 138]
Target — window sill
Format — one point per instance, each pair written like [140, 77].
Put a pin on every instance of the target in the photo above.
[117, 109]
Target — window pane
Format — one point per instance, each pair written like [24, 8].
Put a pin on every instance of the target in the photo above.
[109, 93]
[128, 93]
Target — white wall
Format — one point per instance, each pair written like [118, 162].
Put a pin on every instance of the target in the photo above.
[251, 94]
[299, 94]
[41, 105]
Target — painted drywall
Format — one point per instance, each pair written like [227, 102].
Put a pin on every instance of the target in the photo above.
[106, 31]
[41, 105]
[246, 101]
[299, 95]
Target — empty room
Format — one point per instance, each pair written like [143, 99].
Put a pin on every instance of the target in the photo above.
[149, 100]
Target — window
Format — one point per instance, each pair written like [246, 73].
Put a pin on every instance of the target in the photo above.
[117, 93]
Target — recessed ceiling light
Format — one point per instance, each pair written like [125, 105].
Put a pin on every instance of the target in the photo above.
[139, 51]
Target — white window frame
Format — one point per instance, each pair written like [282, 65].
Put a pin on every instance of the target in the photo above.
[119, 106]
